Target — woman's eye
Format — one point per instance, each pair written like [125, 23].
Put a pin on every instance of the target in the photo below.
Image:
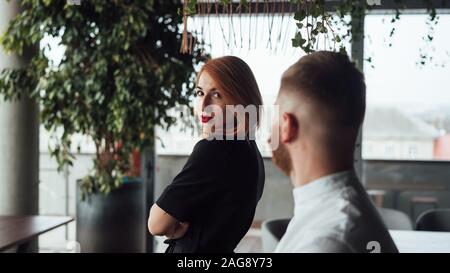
[199, 93]
[216, 95]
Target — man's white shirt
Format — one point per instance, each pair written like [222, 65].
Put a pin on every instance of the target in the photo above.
[335, 214]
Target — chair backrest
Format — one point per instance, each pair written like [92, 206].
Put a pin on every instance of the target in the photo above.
[271, 233]
[434, 220]
[395, 219]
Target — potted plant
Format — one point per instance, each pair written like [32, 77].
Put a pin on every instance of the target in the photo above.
[120, 74]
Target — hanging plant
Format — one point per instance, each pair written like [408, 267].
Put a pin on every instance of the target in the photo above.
[315, 23]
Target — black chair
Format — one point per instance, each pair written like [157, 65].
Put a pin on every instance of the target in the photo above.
[271, 233]
[430, 201]
[395, 219]
[434, 220]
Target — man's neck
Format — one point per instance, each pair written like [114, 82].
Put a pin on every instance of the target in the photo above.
[314, 166]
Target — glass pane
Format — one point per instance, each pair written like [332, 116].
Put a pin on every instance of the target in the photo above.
[408, 113]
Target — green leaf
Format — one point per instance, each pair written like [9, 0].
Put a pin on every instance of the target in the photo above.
[300, 15]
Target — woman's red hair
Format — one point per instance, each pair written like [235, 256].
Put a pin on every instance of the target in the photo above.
[233, 76]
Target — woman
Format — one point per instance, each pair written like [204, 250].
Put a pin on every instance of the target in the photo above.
[210, 204]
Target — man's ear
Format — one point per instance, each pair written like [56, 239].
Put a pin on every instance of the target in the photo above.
[289, 128]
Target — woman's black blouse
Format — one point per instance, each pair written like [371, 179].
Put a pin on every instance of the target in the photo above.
[216, 193]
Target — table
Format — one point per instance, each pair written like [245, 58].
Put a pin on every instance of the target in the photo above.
[20, 230]
[421, 241]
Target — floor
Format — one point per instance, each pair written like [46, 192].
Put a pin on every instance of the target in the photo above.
[252, 242]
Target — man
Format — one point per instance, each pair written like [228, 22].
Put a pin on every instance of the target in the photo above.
[322, 105]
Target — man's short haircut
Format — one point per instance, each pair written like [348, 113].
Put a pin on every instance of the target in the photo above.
[333, 83]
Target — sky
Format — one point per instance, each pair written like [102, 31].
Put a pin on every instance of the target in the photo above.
[396, 79]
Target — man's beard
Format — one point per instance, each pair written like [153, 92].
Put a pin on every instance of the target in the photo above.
[282, 159]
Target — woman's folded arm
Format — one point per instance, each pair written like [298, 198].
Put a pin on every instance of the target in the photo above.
[160, 223]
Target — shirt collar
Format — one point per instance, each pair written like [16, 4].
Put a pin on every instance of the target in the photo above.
[322, 185]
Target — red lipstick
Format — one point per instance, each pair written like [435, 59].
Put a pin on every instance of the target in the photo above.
[205, 119]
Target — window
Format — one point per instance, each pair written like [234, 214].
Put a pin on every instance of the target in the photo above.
[412, 152]
[408, 104]
[389, 151]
